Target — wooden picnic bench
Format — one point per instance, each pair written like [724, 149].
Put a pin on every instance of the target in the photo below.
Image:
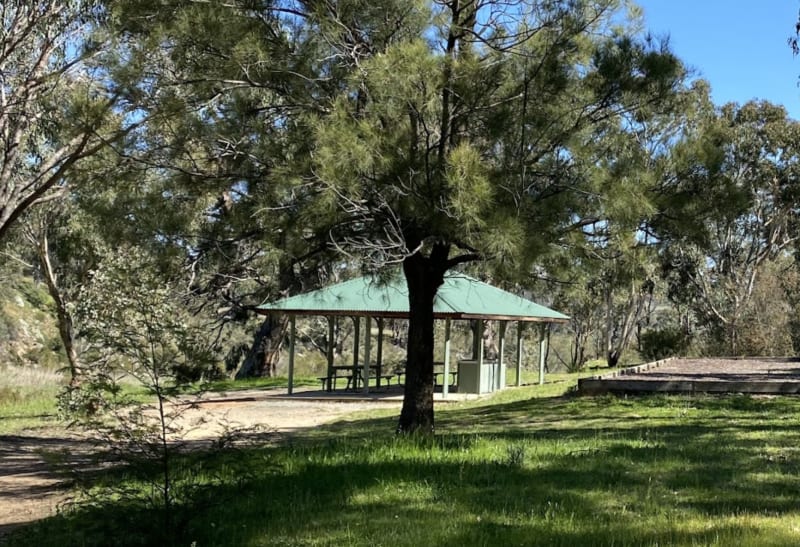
[354, 378]
[438, 376]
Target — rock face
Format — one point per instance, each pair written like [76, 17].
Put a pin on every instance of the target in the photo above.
[28, 329]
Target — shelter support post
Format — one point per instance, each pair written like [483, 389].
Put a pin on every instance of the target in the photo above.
[501, 364]
[476, 336]
[481, 325]
[542, 351]
[520, 324]
[379, 356]
[356, 342]
[479, 333]
[446, 381]
[329, 353]
[367, 348]
[292, 334]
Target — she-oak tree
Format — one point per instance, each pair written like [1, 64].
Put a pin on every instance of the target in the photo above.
[462, 142]
[421, 134]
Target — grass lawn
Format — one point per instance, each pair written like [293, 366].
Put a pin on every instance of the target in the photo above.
[27, 398]
[25, 408]
[528, 467]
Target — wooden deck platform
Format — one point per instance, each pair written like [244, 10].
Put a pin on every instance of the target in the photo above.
[755, 375]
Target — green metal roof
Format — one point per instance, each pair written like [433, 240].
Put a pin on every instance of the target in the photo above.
[460, 297]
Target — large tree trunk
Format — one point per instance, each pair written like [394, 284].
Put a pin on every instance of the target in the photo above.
[265, 352]
[424, 276]
[262, 359]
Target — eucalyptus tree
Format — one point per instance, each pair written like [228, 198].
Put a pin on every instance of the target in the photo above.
[40, 225]
[461, 143]
[71, 237]
[56, 108]
[606, 282]
[728, 210]
[618, 249]
[570, 278]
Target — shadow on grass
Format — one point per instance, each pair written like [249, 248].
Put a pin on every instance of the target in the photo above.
[591, 476]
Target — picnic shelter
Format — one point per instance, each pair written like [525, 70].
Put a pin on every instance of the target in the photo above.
[460, 298]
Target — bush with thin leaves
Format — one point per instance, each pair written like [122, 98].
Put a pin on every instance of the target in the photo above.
[139, 333]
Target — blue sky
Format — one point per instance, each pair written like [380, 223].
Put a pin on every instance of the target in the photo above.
[739, 46]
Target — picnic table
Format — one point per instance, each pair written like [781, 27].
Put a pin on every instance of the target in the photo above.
[354, 376]
[438, 374]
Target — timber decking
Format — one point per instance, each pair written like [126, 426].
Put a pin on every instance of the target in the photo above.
[755, 375]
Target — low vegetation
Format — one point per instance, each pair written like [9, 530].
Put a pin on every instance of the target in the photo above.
[27, 398]
[533, 466]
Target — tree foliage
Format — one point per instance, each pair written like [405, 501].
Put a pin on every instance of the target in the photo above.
[55, 106]
[250, 150]
[453, 144]
[228, 88]
[729, 211]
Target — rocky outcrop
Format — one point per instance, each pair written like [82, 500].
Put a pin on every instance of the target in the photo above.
[28, 328]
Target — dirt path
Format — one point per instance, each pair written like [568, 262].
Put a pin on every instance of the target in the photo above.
[253, 408]
[31, 488]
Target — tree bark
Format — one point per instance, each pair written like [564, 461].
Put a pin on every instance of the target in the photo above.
[265, 352]
[611, 355]
[65, 323]
[424, 276]
[733, 338]
[262, 359]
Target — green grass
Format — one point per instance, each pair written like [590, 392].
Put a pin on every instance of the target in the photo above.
[26, 407]
[527, 467]
[31, 407]
[28, 398]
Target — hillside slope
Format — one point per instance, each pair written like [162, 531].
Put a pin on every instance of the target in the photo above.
[28, 329]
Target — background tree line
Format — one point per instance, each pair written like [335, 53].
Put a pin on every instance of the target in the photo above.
[244, 150]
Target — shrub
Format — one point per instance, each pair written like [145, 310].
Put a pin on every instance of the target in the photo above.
[35, 293]
[663, 343]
